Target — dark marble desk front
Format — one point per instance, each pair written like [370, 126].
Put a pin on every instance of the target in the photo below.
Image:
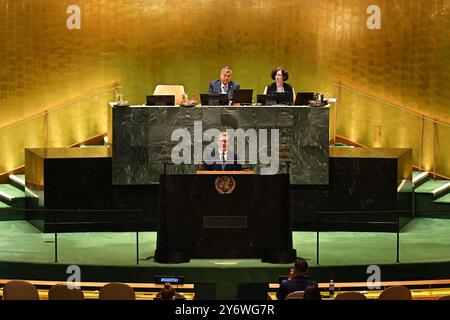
[77, 181]
[80, 179]
[142, 138]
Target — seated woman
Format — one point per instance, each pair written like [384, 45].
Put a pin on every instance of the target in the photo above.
[280, 75]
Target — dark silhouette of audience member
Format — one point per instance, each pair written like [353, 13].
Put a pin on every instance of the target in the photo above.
[298, 279]
[312, 293]
[168, 292]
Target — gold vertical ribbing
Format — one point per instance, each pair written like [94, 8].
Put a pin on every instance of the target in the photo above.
[142, 43]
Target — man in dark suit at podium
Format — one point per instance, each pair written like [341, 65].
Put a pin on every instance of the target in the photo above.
[222, 158]
[225, 85]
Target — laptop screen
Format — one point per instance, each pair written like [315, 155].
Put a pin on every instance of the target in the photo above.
[243, 96]
[282, 279]
[302, 98]
[169, 279]
[213, 99]
[284, 98]
[160, 100]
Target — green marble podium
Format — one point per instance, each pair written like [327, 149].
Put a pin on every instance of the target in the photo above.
[142, 138]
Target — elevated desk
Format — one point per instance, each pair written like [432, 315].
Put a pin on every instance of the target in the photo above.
[76, 182]
[142, 137]
[361, 179]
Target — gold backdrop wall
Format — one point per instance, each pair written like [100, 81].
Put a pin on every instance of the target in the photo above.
[141, 43]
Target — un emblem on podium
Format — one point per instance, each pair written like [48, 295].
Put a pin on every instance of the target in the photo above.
[225, 184]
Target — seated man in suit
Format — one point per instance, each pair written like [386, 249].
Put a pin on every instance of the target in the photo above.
[222, 159]
[298, 279]
[225, 85]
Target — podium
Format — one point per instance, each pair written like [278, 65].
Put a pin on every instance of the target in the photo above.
[224, 215]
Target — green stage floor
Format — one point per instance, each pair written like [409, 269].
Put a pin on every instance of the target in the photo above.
[423, 240]
[112, 256]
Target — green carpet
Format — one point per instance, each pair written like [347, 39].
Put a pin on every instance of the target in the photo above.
[12, 191]
[4, 205]
[430, 185]
[443, 199]
[344, 256]
[423, 240]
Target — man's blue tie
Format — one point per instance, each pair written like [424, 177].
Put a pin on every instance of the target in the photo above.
[223, 161]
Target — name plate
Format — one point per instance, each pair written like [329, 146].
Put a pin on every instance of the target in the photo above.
[224, 222]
